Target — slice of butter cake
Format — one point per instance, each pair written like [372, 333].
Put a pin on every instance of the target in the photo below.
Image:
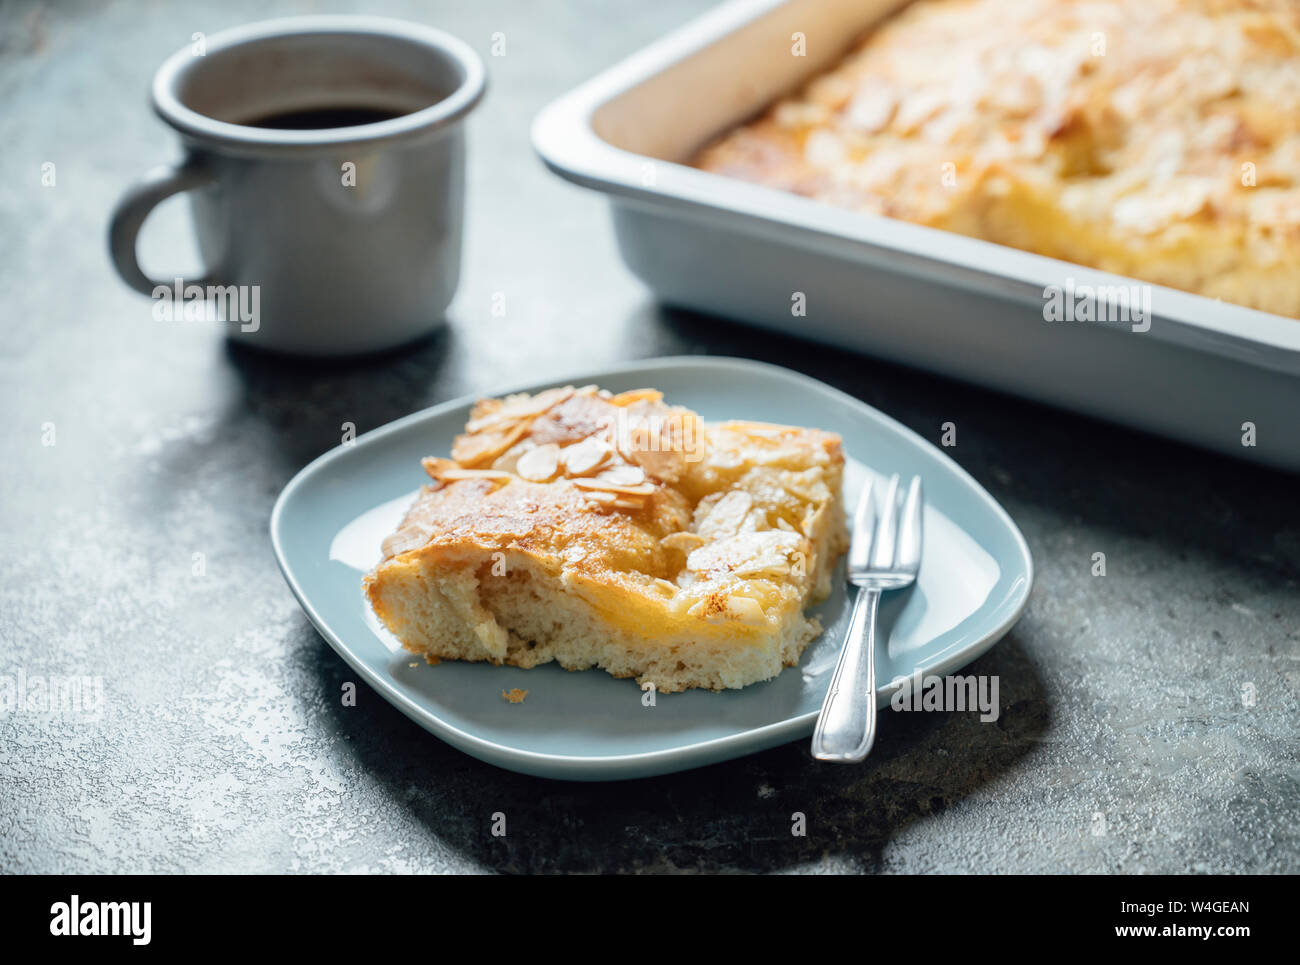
[616, 531]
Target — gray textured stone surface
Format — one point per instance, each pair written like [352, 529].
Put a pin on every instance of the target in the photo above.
[221, 745]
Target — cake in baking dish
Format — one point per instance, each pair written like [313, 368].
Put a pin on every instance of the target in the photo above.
[1158, 139]
[616, 531]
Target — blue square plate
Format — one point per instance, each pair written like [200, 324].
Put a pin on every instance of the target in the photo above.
[973, 584]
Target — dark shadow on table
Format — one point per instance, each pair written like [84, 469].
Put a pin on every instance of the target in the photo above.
[303, 403]
[737, 816]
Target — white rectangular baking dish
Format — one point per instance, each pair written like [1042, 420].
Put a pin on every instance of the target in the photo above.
[929, 298]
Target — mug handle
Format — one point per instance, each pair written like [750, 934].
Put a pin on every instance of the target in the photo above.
[157, 185]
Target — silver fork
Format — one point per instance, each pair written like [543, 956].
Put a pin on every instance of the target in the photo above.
[883, 555]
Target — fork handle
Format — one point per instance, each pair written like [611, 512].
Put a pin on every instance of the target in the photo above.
[846, 727]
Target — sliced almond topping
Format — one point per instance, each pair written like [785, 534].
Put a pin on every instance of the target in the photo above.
[540, 464]
[637, 395]
[435, 466]
[748, 554]
[483, 409]
[522, 406]
[599, 497]
[623, 475]
[451, 475]
[645, 489]
[628, 504]
[683, 541]
[659, 438]
[745, 610]
[721, 607]
[725, 517]
[478, 448]
[667, 466]
[585, 457]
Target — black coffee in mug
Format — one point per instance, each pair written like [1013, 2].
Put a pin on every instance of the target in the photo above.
[325, 160]
[324, 118]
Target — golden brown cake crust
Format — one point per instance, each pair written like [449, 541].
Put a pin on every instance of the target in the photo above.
[1156, 139]
[576, 520]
